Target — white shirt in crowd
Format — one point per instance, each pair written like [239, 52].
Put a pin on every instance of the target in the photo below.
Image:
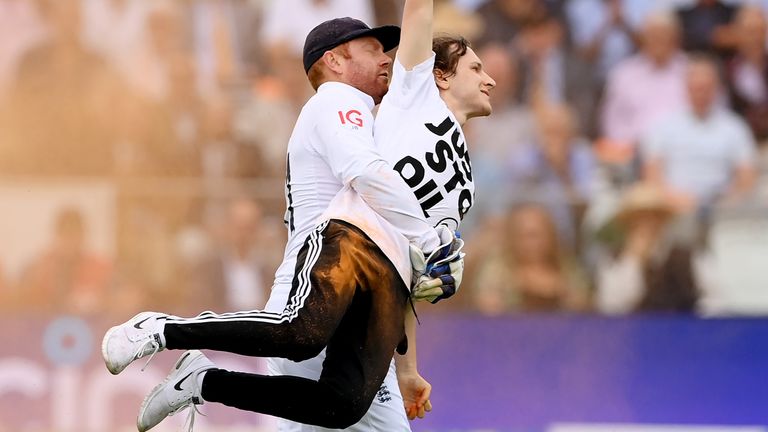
[699, 154]
[289, 21]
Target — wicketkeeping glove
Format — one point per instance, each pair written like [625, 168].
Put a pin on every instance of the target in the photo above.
[438, 276]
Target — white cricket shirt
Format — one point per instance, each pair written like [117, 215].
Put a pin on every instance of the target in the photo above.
[417, 133]
[331, 150]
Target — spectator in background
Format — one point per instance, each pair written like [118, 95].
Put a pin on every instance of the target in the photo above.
[117, 30]
[747, 71]
[647, 272]
[66, 276]
[530, 272]
[647, 86]
[551, 73]
[387, 11]
[234, 276]
[451, 19]
[706, 27]
[556, 170]
[57, 119]
[603, 31]
[264, 118]
[149, 71]
[503, 19]
[287, 23]
[224, 156]
[162, 137]
[225, 50]
[703, 154]
[21, 27]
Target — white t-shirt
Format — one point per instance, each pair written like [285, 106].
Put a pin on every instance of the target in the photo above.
[289, 21]
[417, 133]
[332, 157]
[699, 155]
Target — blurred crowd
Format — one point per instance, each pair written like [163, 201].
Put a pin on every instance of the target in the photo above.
[625, 135]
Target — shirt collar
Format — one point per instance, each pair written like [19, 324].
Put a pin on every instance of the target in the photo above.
[328, 85]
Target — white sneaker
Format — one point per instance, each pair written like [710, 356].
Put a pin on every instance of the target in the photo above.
[139, 336]
[181, 389]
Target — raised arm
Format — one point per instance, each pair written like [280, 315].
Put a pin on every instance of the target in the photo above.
[416, 33]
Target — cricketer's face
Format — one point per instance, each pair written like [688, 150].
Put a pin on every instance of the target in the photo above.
[368, 67]
[471, 86]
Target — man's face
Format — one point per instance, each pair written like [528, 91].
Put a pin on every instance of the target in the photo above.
[470, 86]
[660, 40]
[702, 86]
[367, 68]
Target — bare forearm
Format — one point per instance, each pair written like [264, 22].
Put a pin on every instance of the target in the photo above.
[407, 363]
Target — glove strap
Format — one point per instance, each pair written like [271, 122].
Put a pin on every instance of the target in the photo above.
[413, 308]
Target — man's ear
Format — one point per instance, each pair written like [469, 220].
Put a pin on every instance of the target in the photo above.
[441, 79]
[332, 61]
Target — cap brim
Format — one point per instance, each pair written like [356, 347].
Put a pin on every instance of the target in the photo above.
[388, 35]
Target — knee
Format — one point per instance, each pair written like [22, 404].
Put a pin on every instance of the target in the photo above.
[349, 412]
[306, 350]
[307, 342]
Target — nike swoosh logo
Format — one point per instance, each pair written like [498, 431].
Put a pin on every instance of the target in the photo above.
[138, 324]
[181, 360]
[178, 384]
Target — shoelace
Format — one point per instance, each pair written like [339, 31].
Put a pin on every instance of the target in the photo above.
[189, 423]
[152, 342]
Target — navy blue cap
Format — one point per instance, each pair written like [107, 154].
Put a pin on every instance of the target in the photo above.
[332, 33]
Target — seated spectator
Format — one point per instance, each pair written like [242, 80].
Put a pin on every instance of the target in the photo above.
[557, 170]
[646, 272]
[553, 74]
[647, 86]
[747, 72]
[450, 18]
[287, 23]
[704, 154]
[503, 19]
[603, 31]
[222, 40]
[66, 276]
[117, 30]
[707, 27]
[235, 274]
[20, 29]
[58, 118]
[223, 153]
[530, 272]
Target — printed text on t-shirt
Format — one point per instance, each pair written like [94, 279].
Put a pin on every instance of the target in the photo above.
[446, 156]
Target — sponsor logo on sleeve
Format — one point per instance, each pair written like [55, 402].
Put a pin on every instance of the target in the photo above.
[352, 117]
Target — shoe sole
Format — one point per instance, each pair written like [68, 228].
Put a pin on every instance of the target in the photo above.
[188, 357]
[110, 367]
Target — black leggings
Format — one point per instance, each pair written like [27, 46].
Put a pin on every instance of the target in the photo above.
[347, 297]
